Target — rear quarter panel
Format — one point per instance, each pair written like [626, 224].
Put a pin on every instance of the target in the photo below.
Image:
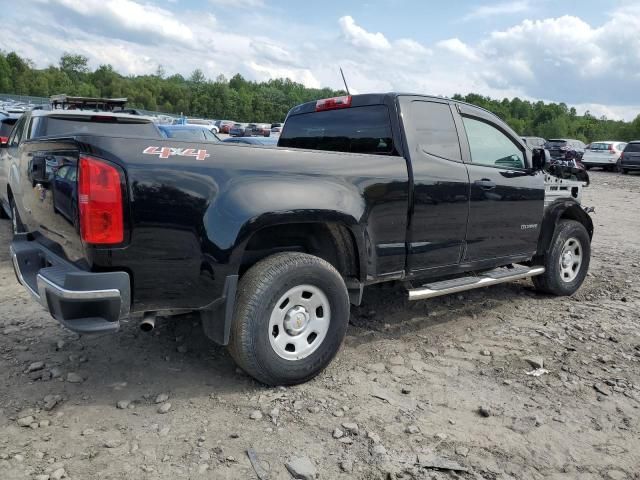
[190, 219]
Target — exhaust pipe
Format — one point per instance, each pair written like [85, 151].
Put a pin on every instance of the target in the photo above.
[148, 322]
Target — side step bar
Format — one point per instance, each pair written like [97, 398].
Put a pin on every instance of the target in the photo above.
[492, 277]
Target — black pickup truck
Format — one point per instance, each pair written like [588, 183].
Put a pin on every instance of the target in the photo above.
[270, 245]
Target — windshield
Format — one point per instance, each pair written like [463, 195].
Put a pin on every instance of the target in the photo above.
[6, 125]
[198, 134]
[556, 143]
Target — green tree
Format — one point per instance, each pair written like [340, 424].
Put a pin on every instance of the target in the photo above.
[243, 100]
[74, 64]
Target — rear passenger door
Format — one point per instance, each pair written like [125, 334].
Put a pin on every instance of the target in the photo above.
[440, 206]
[507, 197]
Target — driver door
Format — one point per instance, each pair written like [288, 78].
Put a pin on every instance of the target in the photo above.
[507, 197]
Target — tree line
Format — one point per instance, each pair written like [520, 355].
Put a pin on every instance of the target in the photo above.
[243, 100]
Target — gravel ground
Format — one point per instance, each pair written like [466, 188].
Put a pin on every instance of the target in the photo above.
[433, 389]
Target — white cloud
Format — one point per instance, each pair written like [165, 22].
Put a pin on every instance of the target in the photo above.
[268, 72]
[233, 4]
[563, 59]
[411, 47]
[611, 112]
[359, 37]
[498, 9]
[458, 47]
[130, 16]
[566, 58]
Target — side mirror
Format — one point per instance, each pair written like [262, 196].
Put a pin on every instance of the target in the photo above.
[540, 159]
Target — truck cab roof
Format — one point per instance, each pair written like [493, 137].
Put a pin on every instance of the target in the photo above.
[377, 99]
[90, 113]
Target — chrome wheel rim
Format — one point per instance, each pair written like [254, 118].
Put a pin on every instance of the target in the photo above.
[299, 322]
[570, 260]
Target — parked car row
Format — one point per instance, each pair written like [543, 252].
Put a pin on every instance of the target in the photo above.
[610, 155]
[8, 106]
[235, 129]
[238, 129]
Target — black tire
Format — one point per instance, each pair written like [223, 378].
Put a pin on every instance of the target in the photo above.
[258, 291]
[625, 171]
[16, 224]
[587, 167]
[4, 215]
[552, 280]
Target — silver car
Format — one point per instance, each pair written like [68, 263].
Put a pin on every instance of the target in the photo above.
[603, 154]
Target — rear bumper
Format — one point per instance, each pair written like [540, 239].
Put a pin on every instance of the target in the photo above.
[630, 166]
[84, 302]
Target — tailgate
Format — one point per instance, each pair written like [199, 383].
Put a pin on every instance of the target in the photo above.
[631, 158]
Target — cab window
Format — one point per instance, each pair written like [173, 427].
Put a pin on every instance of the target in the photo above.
[432, 129]
[490, 147]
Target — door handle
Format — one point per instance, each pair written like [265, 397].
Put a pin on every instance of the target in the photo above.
[485, 184]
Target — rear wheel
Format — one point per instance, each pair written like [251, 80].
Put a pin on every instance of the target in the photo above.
[567, 260]
[625, 171]
[291, 316]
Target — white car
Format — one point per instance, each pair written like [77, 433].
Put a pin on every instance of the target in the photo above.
[603, 154]
[210, 124]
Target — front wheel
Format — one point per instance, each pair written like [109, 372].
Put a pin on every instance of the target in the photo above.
[291, 316]
[566, 261]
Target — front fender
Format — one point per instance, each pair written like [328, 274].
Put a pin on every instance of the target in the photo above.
[565, 208]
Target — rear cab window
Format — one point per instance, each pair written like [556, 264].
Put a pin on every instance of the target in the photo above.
[632, 148]
[55, 125]
[359, 129]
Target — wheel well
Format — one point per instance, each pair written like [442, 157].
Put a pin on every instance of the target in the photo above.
[332, 242]
[576, 213]
[562, 212]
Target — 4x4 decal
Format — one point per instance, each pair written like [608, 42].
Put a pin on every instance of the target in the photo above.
[166, 152]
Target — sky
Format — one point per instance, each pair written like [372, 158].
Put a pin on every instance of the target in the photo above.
[583, 53]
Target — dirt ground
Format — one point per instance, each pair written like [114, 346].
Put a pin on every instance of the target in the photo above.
[433, 389]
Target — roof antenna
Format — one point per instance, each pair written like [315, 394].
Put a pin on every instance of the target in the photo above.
[345, 81]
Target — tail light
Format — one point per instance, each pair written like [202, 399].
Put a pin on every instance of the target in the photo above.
[4, 140]
[333, 103]
[100, 200]
[621, 156]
